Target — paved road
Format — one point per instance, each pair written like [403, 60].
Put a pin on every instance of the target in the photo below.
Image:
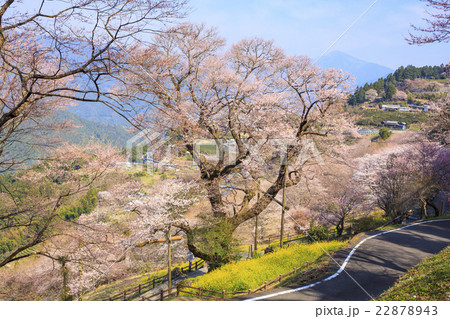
[373, 267]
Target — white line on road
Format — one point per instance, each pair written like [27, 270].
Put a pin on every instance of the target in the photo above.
[337, 273]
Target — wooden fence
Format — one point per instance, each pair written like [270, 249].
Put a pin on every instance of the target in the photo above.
[136, 291]
[274, 239]
[287, 239]
[203, 293]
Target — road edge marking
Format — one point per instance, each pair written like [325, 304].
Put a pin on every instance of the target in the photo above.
[344, 264]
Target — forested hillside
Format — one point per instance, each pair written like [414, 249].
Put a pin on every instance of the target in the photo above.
[26, 149]
[97, 112]
[84, 130]
[386, 88]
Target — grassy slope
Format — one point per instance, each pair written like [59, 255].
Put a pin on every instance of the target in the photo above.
[429, 280]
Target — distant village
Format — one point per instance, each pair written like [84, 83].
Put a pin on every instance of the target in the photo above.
[409, 108]
[398, 108]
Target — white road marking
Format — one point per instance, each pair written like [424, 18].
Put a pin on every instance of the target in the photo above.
[344, 264]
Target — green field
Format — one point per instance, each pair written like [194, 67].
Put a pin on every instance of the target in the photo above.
[375, 117]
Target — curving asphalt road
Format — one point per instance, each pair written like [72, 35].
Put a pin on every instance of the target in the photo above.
[372, 266]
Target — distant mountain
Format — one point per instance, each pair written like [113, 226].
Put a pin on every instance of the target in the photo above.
[97, 112]
[363, 71]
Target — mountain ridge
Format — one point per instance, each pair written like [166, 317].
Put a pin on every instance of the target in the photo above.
[363, 71]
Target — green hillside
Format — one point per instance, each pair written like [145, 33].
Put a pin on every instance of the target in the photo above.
[387, 87]
[85, 130]
[97, 112]
[27, 148]
[374, 117]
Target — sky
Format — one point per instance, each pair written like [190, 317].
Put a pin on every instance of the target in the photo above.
[310, 27]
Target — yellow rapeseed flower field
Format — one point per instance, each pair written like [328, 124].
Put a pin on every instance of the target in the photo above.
[251, 273]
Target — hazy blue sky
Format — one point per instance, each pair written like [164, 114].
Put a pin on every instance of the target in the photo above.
[310, 26]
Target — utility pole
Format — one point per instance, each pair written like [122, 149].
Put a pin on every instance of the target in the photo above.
[282, 209]
[169, 239]
[256, 232]
[169, 260]
[80, 271]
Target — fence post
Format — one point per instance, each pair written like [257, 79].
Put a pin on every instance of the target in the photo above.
[196, 265]
[161, 295]
[280, 277]
[139, 289]
[295, 270]
[223, 294]
[178, 290]
[154, 282]
[265, 285]
[200, 292]
[249, 291]
[190, 266]
[307, 265]
[124, 295]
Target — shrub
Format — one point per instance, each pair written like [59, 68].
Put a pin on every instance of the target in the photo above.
[6, 245]
[217, 240]
[318, 232]
[140, 174]
[384, 133]
[84, 205]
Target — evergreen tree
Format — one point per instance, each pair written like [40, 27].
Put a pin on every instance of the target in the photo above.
[390, 91]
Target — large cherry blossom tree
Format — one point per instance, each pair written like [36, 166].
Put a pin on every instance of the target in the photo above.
[257, 106]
